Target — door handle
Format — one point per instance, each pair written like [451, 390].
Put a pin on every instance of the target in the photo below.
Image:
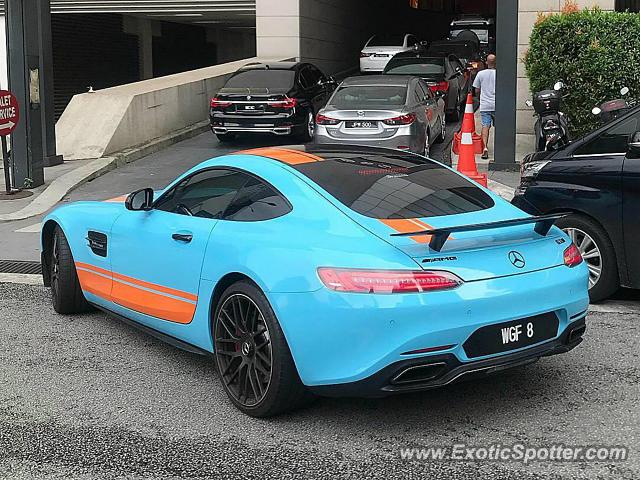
[182, 237]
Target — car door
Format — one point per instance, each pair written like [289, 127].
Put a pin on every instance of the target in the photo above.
[631, 212]
[157, 255]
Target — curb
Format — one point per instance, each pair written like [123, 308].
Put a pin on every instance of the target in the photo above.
[62, 185]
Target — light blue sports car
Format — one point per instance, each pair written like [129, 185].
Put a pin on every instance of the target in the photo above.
[334, 270]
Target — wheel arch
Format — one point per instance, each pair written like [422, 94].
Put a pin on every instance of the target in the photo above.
[225, 282]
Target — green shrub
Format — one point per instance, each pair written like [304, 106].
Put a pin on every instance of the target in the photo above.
[594, 53]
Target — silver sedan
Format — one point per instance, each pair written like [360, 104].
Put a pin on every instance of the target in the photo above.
[389, 111]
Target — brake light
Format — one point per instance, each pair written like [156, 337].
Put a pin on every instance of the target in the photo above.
[287, 103]
[386, 281]
[217, 103]
[440, 87]
[572, 256]
[324, 120]
[365, 55]
[407, 119]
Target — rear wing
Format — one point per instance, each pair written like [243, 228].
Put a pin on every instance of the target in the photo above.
[439, 236]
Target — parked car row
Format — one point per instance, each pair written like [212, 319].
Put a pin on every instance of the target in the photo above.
[287, 98]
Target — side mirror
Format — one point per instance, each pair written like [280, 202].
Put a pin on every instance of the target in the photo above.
[558, 86]
[634, 146]
[624, 91]
[140, 200]
[596, 110]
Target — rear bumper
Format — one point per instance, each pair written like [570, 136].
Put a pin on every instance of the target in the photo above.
[402, 138]
[440, 370]
[341, 338]
[274, 124]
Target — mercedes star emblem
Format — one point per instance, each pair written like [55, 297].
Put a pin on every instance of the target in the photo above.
[516, 259]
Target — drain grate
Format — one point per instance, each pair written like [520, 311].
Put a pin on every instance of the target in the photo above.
[17, 266]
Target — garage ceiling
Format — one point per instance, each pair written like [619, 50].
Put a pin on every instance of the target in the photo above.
[238, 13]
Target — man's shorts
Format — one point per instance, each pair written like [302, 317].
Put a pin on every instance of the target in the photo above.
[488, 118]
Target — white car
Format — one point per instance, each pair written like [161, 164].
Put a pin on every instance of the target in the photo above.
[380, 48]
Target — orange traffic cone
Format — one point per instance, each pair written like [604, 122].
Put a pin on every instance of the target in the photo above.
[468, 150]
[469, 121]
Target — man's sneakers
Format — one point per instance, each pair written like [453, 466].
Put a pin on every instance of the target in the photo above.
[485, 154]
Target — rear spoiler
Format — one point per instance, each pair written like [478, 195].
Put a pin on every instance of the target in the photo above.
[439, 236]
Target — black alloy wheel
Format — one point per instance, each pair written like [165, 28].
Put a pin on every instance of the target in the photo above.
[252, 355]
[243, 349]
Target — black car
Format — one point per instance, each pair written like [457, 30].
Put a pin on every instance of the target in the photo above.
[597, 179]
[280, 98]
[445, 74]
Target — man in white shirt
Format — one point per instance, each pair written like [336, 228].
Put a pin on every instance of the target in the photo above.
[485, 86]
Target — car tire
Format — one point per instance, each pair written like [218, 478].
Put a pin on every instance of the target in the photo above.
[584, 231]
[66, 294]
[308, 129]
[254, 361]
[454, 115]
[226, 137]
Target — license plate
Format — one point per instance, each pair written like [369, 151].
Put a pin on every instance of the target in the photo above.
[250, 108]
[361, 124]
[381, 55]
[507, 336]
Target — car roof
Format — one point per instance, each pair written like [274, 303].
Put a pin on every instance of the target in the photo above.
[378, 80]
[271, 66]
[420, 55]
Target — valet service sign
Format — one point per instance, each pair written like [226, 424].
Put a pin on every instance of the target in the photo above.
[9, 112]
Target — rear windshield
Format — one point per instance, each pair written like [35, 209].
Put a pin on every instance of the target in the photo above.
[386, 41]
[361, 96]
[386, 186]
[262, 79]
[432, 67]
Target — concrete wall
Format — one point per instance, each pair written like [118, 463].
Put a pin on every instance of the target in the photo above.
[278, 28]
[113, 119]
[529, 10]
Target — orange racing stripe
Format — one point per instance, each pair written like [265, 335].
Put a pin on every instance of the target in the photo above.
[408, 225]
[119, 199]
[290, 157]
[155, 301]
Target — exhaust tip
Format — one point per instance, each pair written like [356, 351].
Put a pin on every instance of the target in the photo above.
[576, 334]
[420, 373]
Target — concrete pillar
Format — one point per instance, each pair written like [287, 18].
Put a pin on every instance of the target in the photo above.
[145, 48]
[4, 78]
[278, 28]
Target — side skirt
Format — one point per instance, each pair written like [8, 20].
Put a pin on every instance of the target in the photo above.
[182, 345]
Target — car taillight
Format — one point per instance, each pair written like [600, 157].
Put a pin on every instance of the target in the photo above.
[386, 281]
[440, 87]
[217, 103]
[324, 120]
[287, 103]
[365, 55]
[407, 119]
[572, 256]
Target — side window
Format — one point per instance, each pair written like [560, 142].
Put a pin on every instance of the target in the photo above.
[417, 94]
[612, 140]
[255, 202]
[305, 78]
[206, 194]
[310, 76]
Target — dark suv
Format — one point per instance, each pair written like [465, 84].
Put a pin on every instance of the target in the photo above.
[597, 179]
[280, 98]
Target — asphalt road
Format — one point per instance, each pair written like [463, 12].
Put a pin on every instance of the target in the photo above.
[87, 397]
